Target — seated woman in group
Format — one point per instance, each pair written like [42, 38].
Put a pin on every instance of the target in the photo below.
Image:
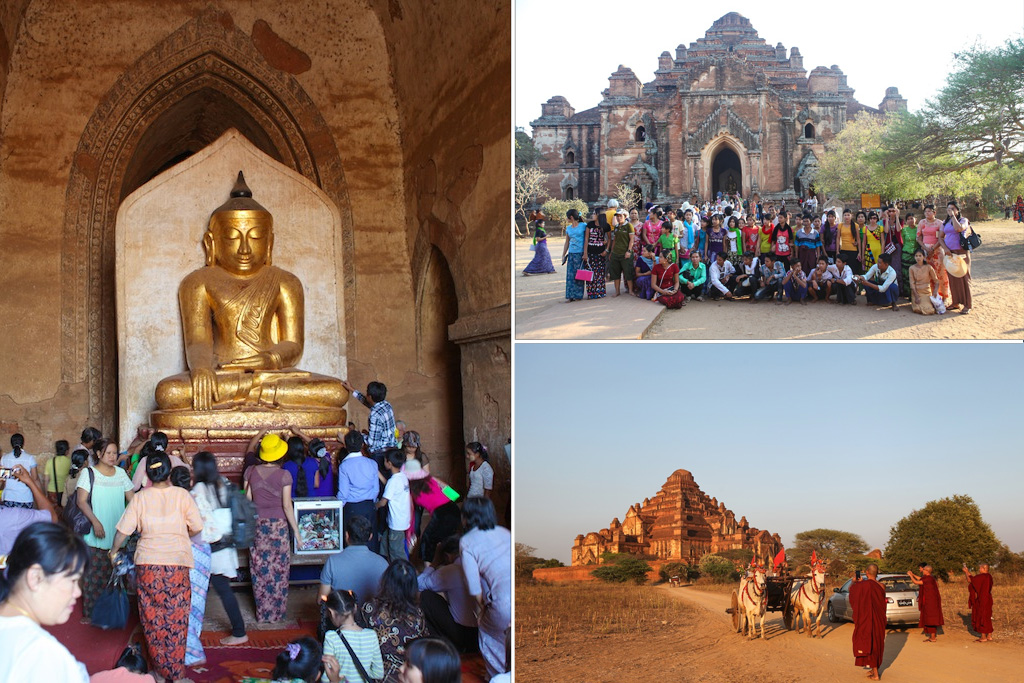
[693, 276]
[644, 265]
[880, 283]
[665, 282]
[924, 284]
[842, 281]
[772, 274]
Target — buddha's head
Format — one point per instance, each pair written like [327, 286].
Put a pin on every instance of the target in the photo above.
[240, 235]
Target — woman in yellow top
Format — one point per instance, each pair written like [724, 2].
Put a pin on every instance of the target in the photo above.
[851, 243]
[165, 516]
[872, 239]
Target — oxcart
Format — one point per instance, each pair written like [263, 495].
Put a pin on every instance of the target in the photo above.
[777, 599]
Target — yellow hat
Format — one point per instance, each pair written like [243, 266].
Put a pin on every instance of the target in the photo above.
[272, 448]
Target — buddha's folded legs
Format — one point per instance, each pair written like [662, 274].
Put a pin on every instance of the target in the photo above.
[267, 388]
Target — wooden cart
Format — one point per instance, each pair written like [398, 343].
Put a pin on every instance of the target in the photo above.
[778, 590]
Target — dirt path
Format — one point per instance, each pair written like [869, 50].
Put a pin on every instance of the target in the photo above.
[997, 287]
[789, 656]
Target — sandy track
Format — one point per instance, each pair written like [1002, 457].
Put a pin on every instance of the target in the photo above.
[789, 656]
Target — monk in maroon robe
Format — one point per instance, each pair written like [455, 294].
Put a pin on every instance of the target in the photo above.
[929, 602]
[980, 602]
[867, 600]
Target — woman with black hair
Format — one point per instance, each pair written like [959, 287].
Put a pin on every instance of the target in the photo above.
[481, 474]
[395, 615]
[55, 473]
[165, 517]
[103, 492]
[428, 493]
[299, 662]
[79, 459]
[959, 286]
[430, 660]
[486, 550]
[541, 262]
[39, 588]
[211, 493]
[130, 666]
[16, 494]
[302, 468]
[572, 253]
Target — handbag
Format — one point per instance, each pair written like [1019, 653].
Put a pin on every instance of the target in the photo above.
[970, 242]
[584, 275]
[73, 515]
[355, 660]
[111, 608]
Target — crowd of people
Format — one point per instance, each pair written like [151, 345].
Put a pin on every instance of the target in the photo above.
[731, 249]
[170, 525]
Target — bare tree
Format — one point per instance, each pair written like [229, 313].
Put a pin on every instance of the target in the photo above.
[529, 189]
[627, 197]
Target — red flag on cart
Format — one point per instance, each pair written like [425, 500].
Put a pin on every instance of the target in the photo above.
[779, 559]
[814, 556]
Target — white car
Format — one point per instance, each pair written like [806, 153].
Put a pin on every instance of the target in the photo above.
[900, 598]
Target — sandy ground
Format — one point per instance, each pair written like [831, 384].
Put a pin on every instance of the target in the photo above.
[705, 648]
[997, 288]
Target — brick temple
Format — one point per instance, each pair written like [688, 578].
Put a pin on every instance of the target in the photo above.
[728, 113]
[680, 523]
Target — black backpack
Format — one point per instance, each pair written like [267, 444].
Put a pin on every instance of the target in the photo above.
[243, 521]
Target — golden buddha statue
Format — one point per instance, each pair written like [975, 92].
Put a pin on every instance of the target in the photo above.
[242, 319]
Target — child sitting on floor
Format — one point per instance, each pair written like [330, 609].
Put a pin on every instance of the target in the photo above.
[356, 649]
[794, 284]
[300, 662]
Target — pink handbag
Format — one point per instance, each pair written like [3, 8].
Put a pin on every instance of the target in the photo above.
[584, 275]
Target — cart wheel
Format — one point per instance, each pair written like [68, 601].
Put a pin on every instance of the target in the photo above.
[735, 612]
[787, 616]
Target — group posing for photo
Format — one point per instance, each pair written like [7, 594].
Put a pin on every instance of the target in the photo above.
[731, 250]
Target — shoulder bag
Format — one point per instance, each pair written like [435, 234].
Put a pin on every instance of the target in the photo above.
[73, 515]
[355, 660]
[111, 608]
[971, 241]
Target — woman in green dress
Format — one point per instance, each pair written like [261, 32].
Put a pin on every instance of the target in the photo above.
[909, 234]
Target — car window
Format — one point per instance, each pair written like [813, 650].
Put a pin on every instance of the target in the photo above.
[897, 585]
[846, 587]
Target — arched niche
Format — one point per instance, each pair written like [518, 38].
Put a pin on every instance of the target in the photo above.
[152, 117]
[729, 146]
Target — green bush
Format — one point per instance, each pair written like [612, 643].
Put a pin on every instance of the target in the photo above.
[555, 209]
[623, 568]
[671, 569]
[718, 568]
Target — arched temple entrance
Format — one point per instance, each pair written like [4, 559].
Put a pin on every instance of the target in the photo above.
[726, 172]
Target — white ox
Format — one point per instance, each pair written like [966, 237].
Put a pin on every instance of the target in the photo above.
[806, 599]
[753, 600]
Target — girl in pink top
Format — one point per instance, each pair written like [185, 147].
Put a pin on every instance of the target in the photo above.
[445, 517]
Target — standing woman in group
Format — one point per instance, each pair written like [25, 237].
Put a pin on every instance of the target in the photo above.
[270, 488]
[572, 254]
[851, 242]
[301, 468]
[952, 229]
[79, 461]
[486, 551]
[596, 257]
[782, 239]
[199, 574]
[929, 236]
[211, 494]
[830, 235]
[874, 234]
[1018, 209]
[165, 517]
[56, 472]
[481, 474]
[111, 490]
[39, 588]
[541, 262]
[16, 494]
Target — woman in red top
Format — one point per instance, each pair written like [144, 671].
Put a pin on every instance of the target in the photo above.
[665, 282]
[751, 237]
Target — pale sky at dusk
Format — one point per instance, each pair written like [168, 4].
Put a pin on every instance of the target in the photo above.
[556, 53]
[844, 436]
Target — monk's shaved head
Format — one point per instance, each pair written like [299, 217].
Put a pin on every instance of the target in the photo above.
[983, 567]
[872, 570]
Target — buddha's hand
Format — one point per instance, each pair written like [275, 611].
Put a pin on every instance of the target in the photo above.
[204, 388]
[265, 359]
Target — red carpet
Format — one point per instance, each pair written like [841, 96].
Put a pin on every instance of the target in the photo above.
[96, 648]
[256, 658]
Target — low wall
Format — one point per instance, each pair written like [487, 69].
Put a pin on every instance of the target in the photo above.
[582, 573]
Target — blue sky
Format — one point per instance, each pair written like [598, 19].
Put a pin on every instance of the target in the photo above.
[911, 45]
[843, 436]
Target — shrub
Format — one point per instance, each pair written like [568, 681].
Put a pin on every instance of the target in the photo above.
[718, 568]
[623, 568]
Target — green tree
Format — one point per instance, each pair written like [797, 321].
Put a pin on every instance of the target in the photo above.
[975, 120]
[680, 569]
[526, 153]
[555, 209]
[944, 533]
[620, 568]
[526, 562]
[1008, 562]
[719, 568]
[829, 544]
